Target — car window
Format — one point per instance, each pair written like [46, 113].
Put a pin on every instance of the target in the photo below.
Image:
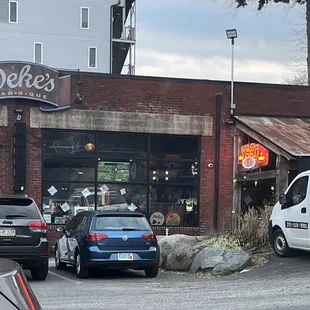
[73, 224]
[298, 191]
[120, 223]
[18, 207]
[82, 223]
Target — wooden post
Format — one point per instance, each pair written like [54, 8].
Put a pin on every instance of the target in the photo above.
[281, 175]
[236, 185]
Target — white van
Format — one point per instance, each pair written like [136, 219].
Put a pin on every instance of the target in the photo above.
[290, 217]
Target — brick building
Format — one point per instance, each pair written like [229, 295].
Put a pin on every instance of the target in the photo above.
[165, 145]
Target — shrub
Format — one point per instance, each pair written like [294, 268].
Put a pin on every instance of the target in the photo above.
[227, 240]
[253, 227]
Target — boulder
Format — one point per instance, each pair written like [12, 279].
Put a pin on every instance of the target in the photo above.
[207, 258]
[178, 251]
[181, 258]
[233, 260]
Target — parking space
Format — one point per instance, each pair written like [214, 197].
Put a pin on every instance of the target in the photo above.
[281, 284]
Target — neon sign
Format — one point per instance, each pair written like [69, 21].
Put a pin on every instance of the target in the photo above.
[253, 156]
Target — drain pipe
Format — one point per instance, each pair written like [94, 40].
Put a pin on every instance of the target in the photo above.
[218, 100]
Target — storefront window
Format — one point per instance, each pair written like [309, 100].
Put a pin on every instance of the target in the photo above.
[157, 174]
[173, 172]
[173, 205]
[60, 143]
[173, 147]
[63, 200]
[126, 145]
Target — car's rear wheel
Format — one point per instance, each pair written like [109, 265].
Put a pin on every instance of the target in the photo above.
[80, 269]
[40, 273]
[59, 265]
[151, 272]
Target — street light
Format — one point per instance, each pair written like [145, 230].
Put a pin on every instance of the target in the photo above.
[232, 35]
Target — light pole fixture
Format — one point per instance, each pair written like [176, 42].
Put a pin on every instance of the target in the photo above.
[232, 35]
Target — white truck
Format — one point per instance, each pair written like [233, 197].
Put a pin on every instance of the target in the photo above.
[289, 221]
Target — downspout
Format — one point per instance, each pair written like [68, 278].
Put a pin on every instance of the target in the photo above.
[111, 34]
[218, 97]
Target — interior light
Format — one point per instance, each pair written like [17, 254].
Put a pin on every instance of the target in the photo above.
[154, 178]
[167, 172]
[255, 183]
[130, 160]
[272, 188]
[167, 178]
[154, 172]
[80, 172]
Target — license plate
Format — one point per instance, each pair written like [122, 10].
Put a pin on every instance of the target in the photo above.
[7, 232]
[125, 256]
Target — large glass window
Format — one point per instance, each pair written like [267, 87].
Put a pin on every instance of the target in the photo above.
[157, 174]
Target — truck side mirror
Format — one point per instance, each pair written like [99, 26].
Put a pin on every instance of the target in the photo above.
[282, 199]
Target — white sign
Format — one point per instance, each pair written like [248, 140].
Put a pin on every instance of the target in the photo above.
[132, 207]
[86, 192]
[248, 162]
[47, 218]
[52, 190]
[123, 191]
[65, 207]
[104, 188]
[157, 218]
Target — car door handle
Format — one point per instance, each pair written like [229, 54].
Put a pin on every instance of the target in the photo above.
[303, 210]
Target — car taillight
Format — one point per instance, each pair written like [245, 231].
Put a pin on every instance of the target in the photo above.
[149, 237]
[95, 237]
[38, 226]
[25, 292]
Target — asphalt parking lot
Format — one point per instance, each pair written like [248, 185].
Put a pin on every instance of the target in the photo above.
[280, 284]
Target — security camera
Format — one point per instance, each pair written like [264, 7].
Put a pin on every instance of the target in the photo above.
[210, 165]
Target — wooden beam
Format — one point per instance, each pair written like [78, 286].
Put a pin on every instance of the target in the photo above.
[270, 174]
[259, 138]
[282, 176]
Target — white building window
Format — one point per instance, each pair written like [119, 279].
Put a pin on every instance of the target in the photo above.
[13, 12]
[85, 18]
[38, 53]
[92, 57]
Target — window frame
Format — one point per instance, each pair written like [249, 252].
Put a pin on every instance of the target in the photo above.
[289, 194]
[11, 2]
[34, 52]
[96, 61]
[81, 17]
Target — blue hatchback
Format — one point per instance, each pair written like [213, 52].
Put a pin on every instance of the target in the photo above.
[108, 239]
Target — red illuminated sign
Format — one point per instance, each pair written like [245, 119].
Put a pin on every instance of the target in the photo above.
[253, 156]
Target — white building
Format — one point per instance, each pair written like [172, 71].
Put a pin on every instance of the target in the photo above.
[95, 36]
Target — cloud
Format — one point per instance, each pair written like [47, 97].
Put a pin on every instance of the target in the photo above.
[164, 54]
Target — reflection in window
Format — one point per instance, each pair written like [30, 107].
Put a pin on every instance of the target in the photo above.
[173, 206]
[66, 143]
[61, 201]
[173, 172]
[298, 191]
[129, 193]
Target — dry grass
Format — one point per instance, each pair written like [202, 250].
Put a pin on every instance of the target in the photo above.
[227, 240]
[253, 227]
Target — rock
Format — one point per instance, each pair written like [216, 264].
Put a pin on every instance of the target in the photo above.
[181, 258]
[207, 258]
[233, 260]
[174, 244]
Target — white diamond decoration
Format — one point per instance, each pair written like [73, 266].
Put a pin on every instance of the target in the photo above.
[52, 190]
[123, 191]
[65, 207]
[132, 207]
[86, 192]
[104, 188]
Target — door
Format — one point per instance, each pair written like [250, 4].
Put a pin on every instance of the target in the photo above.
[66, 242]
[296, 214]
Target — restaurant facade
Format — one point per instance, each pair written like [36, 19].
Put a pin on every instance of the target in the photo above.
[168, 147]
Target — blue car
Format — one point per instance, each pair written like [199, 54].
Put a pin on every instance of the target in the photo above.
[108, 239]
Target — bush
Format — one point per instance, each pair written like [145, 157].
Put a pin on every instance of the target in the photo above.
[253, 227]
[227, 241]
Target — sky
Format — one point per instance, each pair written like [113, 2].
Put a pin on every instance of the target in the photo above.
[187, 39]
